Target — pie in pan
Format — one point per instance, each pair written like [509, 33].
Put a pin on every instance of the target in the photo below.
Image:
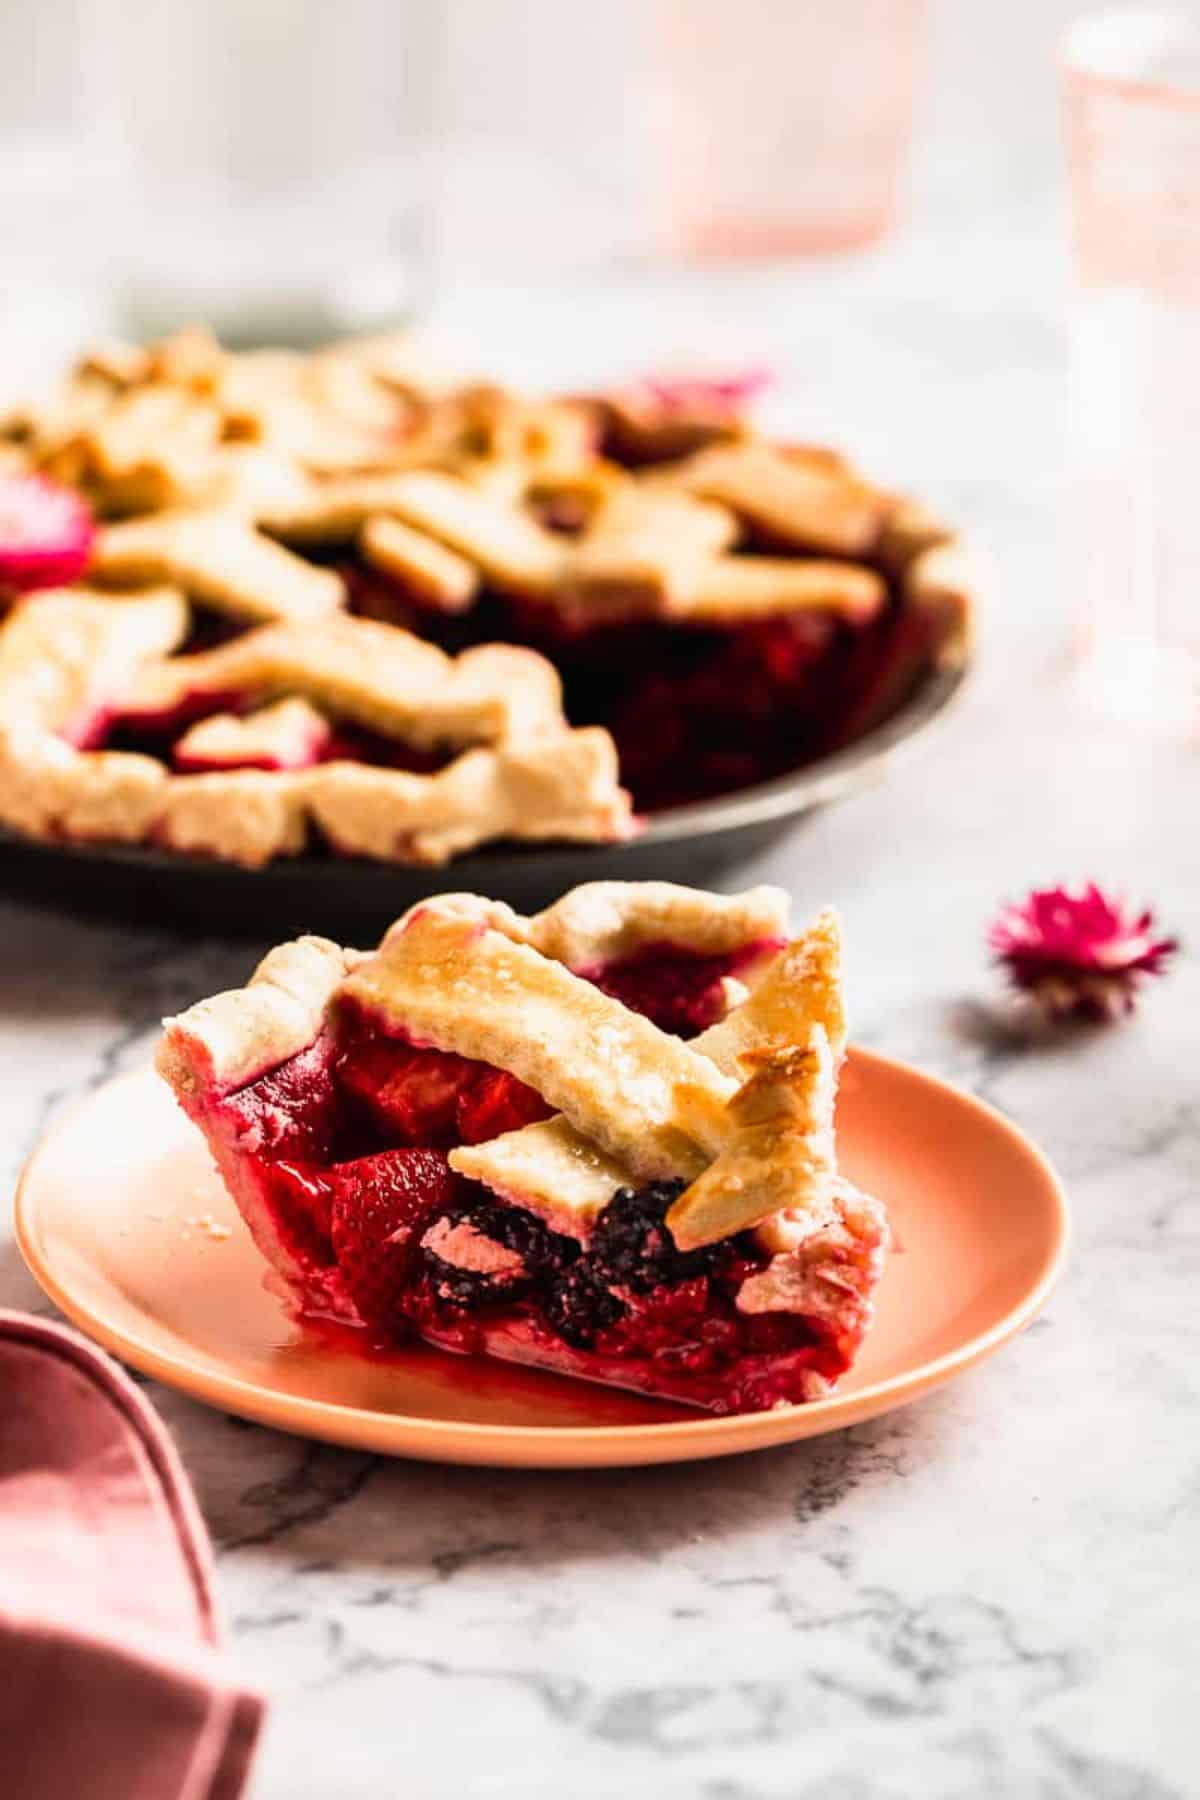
[267, 603]
[598, 1140]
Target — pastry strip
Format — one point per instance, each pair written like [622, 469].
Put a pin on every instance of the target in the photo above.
[375, 674]
[733, 590]
[797, 1002]
[779, 1156]
[222, 561]
[637, 1092]
[560, 786]
[240, 1034]
[426, 569]
[646, 546]
[66, 654]
[797, 502]
[513, 552]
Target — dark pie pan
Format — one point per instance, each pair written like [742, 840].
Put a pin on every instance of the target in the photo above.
[354, 899]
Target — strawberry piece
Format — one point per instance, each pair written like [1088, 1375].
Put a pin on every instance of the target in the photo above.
[495, 1102]
[304, 1196]
[381, 1207]
[46, 533]
[412, 1093]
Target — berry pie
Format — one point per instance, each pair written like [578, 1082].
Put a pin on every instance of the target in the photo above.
[598, 1140]
[270, 602]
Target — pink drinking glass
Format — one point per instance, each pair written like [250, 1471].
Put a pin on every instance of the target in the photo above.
[1131, 86]
[783, 126]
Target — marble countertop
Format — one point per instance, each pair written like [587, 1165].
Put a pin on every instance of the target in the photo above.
[989, 1594]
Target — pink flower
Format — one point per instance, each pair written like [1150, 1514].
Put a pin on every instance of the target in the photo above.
[730, 394]
[1078, 953]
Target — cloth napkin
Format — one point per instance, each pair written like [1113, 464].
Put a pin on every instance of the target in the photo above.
[112, 1681]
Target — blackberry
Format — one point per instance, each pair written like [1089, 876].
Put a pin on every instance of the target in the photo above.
[468, 1289]
[579, 1306]
[543, 1252]
[632, 1248]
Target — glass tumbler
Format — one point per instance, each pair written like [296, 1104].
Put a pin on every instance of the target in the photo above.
[276, 162]
[782, 126]
[1131, 81]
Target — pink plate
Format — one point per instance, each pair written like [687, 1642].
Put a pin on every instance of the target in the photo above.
[126, 1226]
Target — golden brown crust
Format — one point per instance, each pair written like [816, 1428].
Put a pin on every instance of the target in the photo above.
[69, 658]
[449, 978]
[245, 816]
[450, 488]
[549, 1168]
[66, 652]
[936, 576]
[736, 589]
[315, 446]
[799, 502]
[801, 987]
[555, 788]
[779, 1149]
[640, 1094]
[552, 789]
[637, 428]
[511, 549]
[603, 921]
[763, 1043]
[647, 548]
[221, 560]
[226, 1041]
[460, 973]
[941, 583]
[293, 986]
[335, 510]
[49, 790]
[558, 787]
[373, 674]
[424, 568]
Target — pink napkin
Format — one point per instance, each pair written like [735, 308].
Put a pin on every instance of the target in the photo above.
[112, 1682]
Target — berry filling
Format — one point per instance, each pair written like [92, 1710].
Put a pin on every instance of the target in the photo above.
[678, 990]
[739, 707]
[695, 712]
[381, 1207]
[431, 1097]
[340, 1156]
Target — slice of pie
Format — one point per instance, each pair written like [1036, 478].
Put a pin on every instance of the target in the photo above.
[599, 1140]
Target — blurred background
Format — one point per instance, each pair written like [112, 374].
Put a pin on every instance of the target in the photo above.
[866, 197]
[291, 167]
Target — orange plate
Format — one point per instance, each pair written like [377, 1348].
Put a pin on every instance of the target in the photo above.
[124, 1223]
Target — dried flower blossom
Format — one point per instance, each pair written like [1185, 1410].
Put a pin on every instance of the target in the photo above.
[1079, 953]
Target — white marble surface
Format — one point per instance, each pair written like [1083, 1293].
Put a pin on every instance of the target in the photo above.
[989, 1596]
